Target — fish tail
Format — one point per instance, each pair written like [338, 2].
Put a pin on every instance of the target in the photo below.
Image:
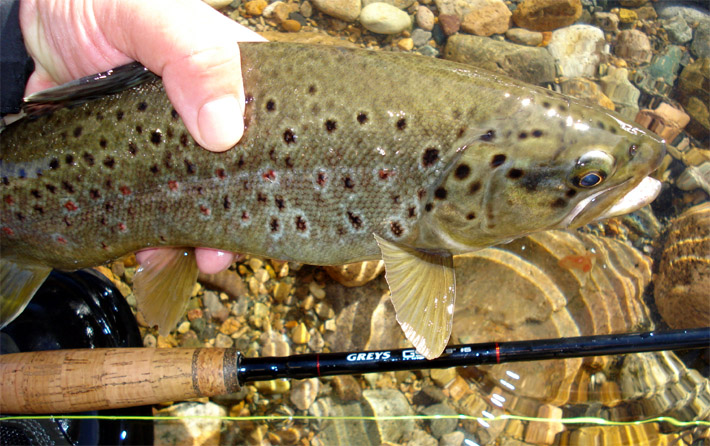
[18, 283]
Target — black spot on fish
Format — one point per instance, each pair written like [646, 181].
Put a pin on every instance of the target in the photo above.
[20, 216]
[39, 209]
[108, 206]
[245, 216]
[456, 113]
[522, 135]
[94, 194]
[348, 183]
[515, 173]
[362, 118]
[470, 216]
[99, 116]
[51, 188]
[190, 167]
[270, 105]
[562, 108]
[497, 160]
[440, 193]
[321, 178]
[288, 161]
[474, 187]
[570, 193]
[35, 193]
[103, 143]
[220, 173]
[289, 137]
[108, 184]
[488, 136]
[396, 229]
[240, 161]
[154, 169]
[132, 148]
[274, 224]
[600, 125]
[261, 198]
[537, 133]
[428, 207]
[546, 104]
[77, 131]
[67, 221]
[396, 199]
[174, 114]
[226, 203]
[22, 173]
[139, 129]
[69, 159]
[5, 181]
[412, 212]
[330, 125]
[401, 124]
[355, 220]
[109, 162]
[421, 193]
[311, 89]
[142, 106]
[53, 163]
[300, 223]
[279, 201]
[67, 186]
[431, 155]
[462, 130]
[462, 171]
[156, 137]
[119, 115]
[184, 140]
[559, 203]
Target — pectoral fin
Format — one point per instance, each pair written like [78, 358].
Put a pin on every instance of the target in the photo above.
[423, 289]
[163, 285]
[18, 283]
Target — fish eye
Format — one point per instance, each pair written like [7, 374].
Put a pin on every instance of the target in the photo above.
[589, 179]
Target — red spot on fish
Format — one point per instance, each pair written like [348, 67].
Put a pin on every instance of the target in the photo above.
[125, 190]
[385, 173]
[9, 199]
[245, 216]
[173, 185]
[70, 206]
[8, 231]
[205, 210]
[583, 262]
[269, 175]
[220, 174]
[121, 227]
[104, 246]
[62, 240]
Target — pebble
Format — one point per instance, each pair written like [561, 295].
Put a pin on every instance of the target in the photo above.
[291, 26]
[184, 327]
[223, 341]
[316, 343]
[691, 15]
[383, 18]
[633, 46]
[450, 24]
[405, 44]
[150, 341]
[701, 42]
[260, 310]
[544, 432]
[317, 290]
[443, 426]
[300, 335]
[420, 37]
[658, 77]
[282, 291]
[425, 18]
[547, 15]
[455, 438]
[306, 10]
[261, 275]
[386, 403]
[346, 10]
[191, 423]
[666, 121]
[273, 387]
[347, 388]
[678, 30]
[607, 21]
[230, 326]
[577, 50]
[255, 7]
[304, 392]
[524, 36]
[621, 91]
[419, 437]
[692, 83]
[627, 16]
[442, 377]
[212, 302]
[488, 18]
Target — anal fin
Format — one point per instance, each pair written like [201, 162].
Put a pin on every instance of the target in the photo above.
[163, 285]
[423, 289]
[18, 283]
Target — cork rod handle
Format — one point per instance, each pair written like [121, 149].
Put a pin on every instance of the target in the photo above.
[61, 381]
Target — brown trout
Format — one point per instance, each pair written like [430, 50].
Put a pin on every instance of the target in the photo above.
[347, 155]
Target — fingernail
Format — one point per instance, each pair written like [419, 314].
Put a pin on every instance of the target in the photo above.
[221, 123]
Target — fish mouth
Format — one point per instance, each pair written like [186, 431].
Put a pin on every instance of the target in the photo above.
[602, 205]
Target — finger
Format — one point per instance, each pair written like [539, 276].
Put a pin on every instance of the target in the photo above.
[38, 81]
[194, 48]
[212, 261]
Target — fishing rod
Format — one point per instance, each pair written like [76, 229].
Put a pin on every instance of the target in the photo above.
[60, 381]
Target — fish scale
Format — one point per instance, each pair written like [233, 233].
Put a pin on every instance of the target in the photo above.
[347, 155]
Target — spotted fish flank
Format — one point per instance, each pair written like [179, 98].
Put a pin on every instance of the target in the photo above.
[331, 170]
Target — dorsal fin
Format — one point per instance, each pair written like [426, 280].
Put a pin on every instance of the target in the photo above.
[86, 89]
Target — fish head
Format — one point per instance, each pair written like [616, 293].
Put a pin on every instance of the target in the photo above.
[554, 168]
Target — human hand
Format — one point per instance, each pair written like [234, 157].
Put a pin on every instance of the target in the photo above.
[193, 47]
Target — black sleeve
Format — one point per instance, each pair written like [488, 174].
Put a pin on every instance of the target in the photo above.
[15, 64]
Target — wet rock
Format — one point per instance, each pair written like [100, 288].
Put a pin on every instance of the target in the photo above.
[346, 428]
[383, 18]
[443, 426]
[386, 403]
[223, 341]
[678, 30]
[425, 18]
[203, 429]
[488, 18]
[607, 21]
[695, 177]
[524, 36]
[544, 432]
[532, 65]
[304, 392]
[450, 24]
[419, 38]
[420, 438]
[633, 46]
[359, 273]
[213, 304]
[547, 15]
[406, 44]
[586, 90]
[701, 42]
[627, 16]
[621, 91]
[458, 8]
[442, 377]
[255, 7]
[400, 4]
[347, 388]
[681, 290]
[691, 15]
[694, 95]
[577, 50]
[291, 26]
[452, 439]
[666, 121]
[347, 10]
[659, 76]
